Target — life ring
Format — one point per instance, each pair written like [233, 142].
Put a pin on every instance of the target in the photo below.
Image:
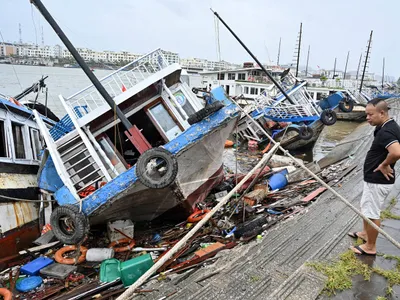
[7, 295]
[197, 215]
[70, 261]
[129, 247]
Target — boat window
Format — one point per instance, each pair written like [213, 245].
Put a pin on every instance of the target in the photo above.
[246, 90]
[253, 91]
[35, 143]
[221, 76]
[183, 101]
[165, 121]
[18, 137]
[3, 141]
[242, 76]
[262, 90]
[231, 76]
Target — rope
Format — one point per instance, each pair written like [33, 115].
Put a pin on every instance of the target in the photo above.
[131, 290]
[24, 200]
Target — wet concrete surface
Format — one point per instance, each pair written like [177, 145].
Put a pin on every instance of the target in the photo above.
[370, 290]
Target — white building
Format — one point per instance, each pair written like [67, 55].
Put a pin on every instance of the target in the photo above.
[57, 51]
[171, 57]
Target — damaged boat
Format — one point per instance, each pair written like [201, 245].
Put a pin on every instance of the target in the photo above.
[297, 120]
[20, 155]
[172, 155]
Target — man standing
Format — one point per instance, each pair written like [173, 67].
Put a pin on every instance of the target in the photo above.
[379, 173]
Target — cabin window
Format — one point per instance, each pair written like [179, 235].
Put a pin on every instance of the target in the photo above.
[221, 76]
[242, 76]
[231, 76]
[35, 143]
[253, 91]
[262, 90]
[18, 137]
[246, 90]
[183, 101]
[3, 141]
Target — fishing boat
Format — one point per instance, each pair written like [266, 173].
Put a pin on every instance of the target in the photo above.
[20, 156]
[172, 155]
[303, 118]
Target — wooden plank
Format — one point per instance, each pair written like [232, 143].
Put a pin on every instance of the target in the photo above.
[314, 194]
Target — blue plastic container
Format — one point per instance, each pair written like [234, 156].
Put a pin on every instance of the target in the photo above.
[28, 284]
[278, 180]
[33, 267]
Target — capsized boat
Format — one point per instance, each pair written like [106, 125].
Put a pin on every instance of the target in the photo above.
[99, 172]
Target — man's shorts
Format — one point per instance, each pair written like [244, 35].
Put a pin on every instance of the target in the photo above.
[372, 199]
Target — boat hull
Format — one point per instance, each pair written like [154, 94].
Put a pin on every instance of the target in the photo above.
[18, 220]
[199, 170]
[292, 141]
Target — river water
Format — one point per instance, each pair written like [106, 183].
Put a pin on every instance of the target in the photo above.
[68, 81]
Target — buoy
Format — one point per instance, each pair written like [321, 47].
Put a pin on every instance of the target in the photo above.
[228, 143]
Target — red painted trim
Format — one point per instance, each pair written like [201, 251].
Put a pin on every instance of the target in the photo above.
[138, 139]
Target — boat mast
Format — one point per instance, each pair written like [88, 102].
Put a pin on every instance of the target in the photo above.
[334, 69]
[255, 59]
[279, 51]
[366, 60]
[298, 50]
[124, 120]
[383, 72]
[359, 65]
[345, 67]
[308, 58]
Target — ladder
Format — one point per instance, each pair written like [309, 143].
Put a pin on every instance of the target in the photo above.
[79, 160]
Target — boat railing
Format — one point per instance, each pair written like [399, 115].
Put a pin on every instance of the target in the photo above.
[117, 82]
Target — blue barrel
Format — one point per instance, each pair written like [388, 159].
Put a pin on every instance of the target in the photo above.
[278, 180]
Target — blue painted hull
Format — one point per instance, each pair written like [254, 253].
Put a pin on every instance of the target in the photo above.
[199, 154]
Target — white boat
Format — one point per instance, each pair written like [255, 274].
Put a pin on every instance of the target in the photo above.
[20, 154]
[104, 170]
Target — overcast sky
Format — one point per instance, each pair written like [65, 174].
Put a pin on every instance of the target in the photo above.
[332, 28]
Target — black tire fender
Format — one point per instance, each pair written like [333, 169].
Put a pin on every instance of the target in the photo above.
[306, 133]
[328, 117]
[194, 90]
[346, 105]
[164, 181]
[205, 112]
[79, 221]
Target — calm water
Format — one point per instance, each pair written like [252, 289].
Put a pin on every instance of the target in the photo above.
[67, 81]
[61, 81]
[330, 136]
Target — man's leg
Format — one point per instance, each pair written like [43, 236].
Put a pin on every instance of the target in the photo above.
[372, 235]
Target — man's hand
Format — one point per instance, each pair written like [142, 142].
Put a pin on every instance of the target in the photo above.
[386, 170]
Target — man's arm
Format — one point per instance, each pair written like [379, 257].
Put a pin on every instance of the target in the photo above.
[391, 158]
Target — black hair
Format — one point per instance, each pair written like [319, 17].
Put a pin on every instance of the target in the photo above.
[378, 100]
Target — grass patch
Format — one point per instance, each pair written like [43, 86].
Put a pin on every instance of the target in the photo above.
[339, 274]
[387, 213]
[381, 298]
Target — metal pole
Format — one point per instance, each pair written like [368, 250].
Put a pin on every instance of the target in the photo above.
[308, 58]
[255, 58]
[359, 65]
[279, 51]
[298, 50]
[366, 60]
[383, 72]
[334, 69]
[45, 101]
[39, 5]
[345, 67]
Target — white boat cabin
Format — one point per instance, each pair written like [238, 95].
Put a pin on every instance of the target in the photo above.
[154, 98]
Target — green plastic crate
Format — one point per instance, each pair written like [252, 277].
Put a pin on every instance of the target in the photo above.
[132, 269]
[110, 270]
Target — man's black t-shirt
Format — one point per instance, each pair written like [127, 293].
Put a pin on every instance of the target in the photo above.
[385, 135]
